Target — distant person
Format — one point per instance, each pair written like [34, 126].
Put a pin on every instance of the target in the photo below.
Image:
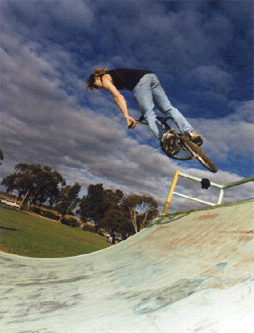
[112, 237]
[147, 92]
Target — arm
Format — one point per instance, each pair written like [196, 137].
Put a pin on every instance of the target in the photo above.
[119, 99]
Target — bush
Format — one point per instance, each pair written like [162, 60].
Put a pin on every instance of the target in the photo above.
[49, 214]
[87, 227]
[35, 210]
[72, 222]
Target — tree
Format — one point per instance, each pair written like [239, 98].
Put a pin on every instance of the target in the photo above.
[68, 199]
[37, 183]
[141, 209]
[111, 199]
[116, 220]
[91, 205]
[47, 185]
[97, 202]
[10, 182]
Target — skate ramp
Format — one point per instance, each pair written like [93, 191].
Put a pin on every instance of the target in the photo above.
[189, 272]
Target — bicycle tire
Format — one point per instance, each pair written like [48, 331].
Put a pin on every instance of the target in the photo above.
[198, 154]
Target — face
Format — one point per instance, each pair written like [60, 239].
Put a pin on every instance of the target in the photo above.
[98, 83]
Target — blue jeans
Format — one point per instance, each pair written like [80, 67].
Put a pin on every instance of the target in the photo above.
[149, 92]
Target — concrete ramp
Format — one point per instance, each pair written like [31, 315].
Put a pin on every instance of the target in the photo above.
[191, 272]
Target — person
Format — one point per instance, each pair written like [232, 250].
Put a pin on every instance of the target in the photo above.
[112, 236]
[148, 93]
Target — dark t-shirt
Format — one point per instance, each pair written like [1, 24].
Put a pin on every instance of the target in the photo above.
[127, 78]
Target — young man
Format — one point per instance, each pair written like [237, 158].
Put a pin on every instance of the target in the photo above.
[147, 92]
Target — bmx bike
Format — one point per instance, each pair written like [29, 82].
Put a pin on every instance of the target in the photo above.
[183, 148]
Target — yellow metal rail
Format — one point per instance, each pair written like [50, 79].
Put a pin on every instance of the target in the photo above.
[221, 187]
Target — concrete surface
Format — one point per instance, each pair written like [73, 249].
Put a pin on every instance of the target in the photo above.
[191, 272]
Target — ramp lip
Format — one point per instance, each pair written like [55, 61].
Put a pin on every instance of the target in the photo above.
[210, 207]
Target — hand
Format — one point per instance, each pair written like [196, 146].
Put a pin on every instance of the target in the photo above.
[131, 122]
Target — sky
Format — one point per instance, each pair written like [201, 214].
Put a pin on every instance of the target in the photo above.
[202, 52]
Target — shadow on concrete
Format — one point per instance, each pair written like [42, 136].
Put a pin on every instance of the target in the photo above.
[165, 219]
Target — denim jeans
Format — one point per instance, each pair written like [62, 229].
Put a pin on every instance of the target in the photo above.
[149, 93]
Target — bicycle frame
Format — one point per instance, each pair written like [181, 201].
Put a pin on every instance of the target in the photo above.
[177, 156]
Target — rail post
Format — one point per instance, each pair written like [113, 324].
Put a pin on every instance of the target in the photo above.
[170, 193]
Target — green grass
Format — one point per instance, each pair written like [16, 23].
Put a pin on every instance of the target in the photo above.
[32, 236]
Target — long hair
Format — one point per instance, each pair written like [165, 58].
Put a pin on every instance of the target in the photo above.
[98, 72]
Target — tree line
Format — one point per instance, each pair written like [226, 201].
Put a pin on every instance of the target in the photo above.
[107, 209]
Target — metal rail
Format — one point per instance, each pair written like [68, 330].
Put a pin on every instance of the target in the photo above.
[184, 175]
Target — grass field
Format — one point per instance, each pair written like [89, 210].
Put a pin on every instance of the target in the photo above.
[32, 236]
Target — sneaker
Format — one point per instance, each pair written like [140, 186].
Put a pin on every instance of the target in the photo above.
[196, 138]
[168, 143]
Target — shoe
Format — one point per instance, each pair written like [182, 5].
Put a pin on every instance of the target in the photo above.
[168, 143]
[196, 138]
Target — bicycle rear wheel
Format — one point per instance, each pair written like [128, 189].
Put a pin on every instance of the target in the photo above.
[198, 154]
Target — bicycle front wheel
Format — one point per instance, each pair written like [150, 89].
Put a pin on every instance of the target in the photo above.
[198, 154]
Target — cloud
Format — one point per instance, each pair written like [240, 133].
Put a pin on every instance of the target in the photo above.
[224, 136]
[24, 75]
[65, 12]
[243, 111]
[78, 15]
[212, 74]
